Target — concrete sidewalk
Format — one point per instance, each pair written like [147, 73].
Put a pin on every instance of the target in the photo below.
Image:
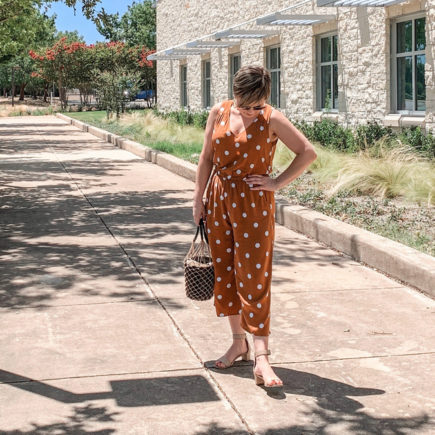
[98, 337]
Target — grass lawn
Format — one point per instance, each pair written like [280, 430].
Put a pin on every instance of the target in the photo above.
[392, 196]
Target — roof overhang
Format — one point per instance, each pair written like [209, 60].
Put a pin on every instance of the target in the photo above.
[165, 57]
[278, 19]
[212, 44]
[360, 3]
[187, 51]
[244, 34]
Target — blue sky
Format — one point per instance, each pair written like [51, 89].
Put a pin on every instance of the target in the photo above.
[67, 21]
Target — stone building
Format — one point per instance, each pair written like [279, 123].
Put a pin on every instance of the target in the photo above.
[328, 58]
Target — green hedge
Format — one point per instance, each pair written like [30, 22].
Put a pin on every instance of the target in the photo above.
[332, 135]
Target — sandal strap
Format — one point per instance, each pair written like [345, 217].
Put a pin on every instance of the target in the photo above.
[239, 336]
[262, 352]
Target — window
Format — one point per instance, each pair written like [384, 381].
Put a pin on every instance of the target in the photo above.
[183, 85]
[327, 73]
[273, 64]
[206, 83]
[235, 63]
[409, 57]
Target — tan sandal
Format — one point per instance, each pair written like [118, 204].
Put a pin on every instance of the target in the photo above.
[259, 380]
[245, 356]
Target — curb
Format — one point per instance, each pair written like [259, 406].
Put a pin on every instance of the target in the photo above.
[398, 261]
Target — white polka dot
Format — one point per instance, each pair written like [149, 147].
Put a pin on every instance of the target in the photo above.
[242, 194]
[227, 153]
[249, 276]
[237, 244]
[251, 166]
[228, 285]
[264, 213]
[229, 177]
[209, 211]
[218, 260]
[228, 250]
[241, 284]
[255, 224]
[270, 206]
[260, 193]
[225, 194]
[267, 253]
[228, 133]
[238, 171]
[262, 159]
[216, 223]
[215, 204]
[208, 230]
[249, 297]
[230, 304]
[219, 297]
[266, 233]
[251, 315]
[218, 242]
[221, 315]
[249, 136]
[252, 204]
[218, 141]
[218, 279]
[261, 128]
[266, 273]
[229, 268]
[247, 255]
[221, 198]
[256, 119]
[240, 311]
[258, 147]
[258, 266]
[245, 155]
[257, 245]
[244, 214]
[218, 159]
[259, 305]
[246, 235]
[235, 161]
[259, 286]
[261, 325]
[234, 205]
[261, 112]
[239, 264]
[233, 185]
[237, 144]
[268, 140]
[235, 224]
[222, 123]
[227, 232]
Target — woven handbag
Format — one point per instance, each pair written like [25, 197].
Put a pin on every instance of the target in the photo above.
[198, 268]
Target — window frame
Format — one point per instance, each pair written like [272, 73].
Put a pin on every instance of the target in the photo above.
[231, 72]
[268, 50]
[204, 80]
[393, 63]
[330, 63]
[183, 87]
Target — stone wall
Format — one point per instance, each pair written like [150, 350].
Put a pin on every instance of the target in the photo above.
[363, 53]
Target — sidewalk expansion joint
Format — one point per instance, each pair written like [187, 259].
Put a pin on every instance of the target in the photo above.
[144, 372]
[151, 292]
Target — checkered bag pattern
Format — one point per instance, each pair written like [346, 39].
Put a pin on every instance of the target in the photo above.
[198, 268]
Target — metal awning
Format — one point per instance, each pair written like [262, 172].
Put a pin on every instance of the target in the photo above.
[244, 34]
[362, 3]
[187, 51]
[165, 57]
[278, 19]
[212, 44]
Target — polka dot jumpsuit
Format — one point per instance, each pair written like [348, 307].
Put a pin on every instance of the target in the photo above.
[240, 221]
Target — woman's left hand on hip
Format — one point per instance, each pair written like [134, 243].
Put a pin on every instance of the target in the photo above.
[261, 182]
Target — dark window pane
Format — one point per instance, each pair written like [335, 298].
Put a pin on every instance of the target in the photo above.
[420, 35]
[273, 62]
[275, 88]
[335, 47]
[279, 57]
[404, 83]
[326, 86]
[325, 46]
[335, 84]
[404, 36]
[420, 60]
[207, 69]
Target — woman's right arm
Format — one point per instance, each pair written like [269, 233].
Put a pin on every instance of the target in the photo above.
[205, 165]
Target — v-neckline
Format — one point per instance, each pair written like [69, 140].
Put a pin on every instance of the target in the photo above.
[229, 122]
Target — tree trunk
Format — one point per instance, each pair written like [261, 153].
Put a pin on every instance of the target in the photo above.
[22, 86]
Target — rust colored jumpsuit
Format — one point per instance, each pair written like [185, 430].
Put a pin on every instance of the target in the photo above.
[240, 221]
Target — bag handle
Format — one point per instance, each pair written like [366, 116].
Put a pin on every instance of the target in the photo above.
[201, 230]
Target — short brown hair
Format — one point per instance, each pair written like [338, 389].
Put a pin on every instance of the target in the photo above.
[251, 84]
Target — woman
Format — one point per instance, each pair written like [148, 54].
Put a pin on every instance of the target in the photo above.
[239, 209]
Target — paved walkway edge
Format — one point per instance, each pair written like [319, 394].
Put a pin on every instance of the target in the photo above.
[392, 258]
